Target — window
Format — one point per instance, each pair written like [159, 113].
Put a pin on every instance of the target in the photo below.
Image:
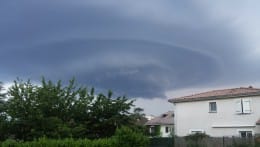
[243, 106]
[166, 129]
[196, 131]
[212, 107]
[152, 129]
[245, 134]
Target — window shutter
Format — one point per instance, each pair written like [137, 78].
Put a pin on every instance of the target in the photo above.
[246, 106]
[238, 106]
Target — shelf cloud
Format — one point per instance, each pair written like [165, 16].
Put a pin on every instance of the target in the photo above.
[137, 48]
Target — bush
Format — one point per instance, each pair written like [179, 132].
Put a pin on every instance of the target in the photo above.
[156, 132]
[69, 142]
[127, 137]
[195, 140]
[196, 137]
[162, 142]
[124, 137]
[9, 143]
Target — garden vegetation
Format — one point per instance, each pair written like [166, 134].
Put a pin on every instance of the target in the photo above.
[50, 113]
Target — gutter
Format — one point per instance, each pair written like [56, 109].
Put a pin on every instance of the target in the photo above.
[233, 126]
[179, 100]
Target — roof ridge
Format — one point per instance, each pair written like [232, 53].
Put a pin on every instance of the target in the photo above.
[223, 90]
[249, 88]
[220, 93]
[162, 120]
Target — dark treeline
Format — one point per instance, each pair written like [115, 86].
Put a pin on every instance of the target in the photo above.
[29, 111]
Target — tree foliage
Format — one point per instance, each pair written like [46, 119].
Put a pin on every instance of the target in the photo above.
[2, 97]
[55, 111]
[3, 115]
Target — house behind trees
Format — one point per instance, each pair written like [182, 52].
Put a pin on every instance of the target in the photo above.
[161, 126]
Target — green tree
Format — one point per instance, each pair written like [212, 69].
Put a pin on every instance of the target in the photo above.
[1, 89]
[22, 108]
[139, 116]
[2, 97]
[3, 116]
[107, 114]
[56, 111]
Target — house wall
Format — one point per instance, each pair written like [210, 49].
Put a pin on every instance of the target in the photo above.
[226, 122]
[163, 130]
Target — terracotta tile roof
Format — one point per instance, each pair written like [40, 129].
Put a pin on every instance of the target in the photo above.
[219, 94]
[164, 119]
[258, 122]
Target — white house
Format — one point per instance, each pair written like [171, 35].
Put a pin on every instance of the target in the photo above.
[228, 112]
[163, 122]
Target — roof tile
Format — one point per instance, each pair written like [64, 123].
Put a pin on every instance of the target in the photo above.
[164, 119]
[225, 93]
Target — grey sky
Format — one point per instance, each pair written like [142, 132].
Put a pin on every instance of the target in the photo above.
[143, 48]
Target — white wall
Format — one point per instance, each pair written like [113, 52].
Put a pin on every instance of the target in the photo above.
[163, 128]
[226, 122]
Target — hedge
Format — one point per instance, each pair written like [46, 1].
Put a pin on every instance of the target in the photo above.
[124, 137]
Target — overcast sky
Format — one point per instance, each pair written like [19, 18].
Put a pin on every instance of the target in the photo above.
[146, 49]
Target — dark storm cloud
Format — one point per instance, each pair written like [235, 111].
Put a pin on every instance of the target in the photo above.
[134, 67]
[138, 48]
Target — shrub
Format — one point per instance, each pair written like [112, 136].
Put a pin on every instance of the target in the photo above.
[129, 138]
[124, 137]
[196, 136]
[9, 143]
[195, 140]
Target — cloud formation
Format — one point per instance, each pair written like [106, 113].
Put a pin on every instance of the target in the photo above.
[138, 48]
[134, 67]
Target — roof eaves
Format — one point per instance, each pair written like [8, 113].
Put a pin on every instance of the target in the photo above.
[179, 100]
[156, 124]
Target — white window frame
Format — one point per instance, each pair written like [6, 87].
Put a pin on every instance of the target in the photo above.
[239, 106]
[194, 131]
[244, 106]
[210, 107]
[247, 106]
[247, 131]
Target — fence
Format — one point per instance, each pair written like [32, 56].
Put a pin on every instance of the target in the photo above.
[162, 142]
[205, 142]
[217, 142]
